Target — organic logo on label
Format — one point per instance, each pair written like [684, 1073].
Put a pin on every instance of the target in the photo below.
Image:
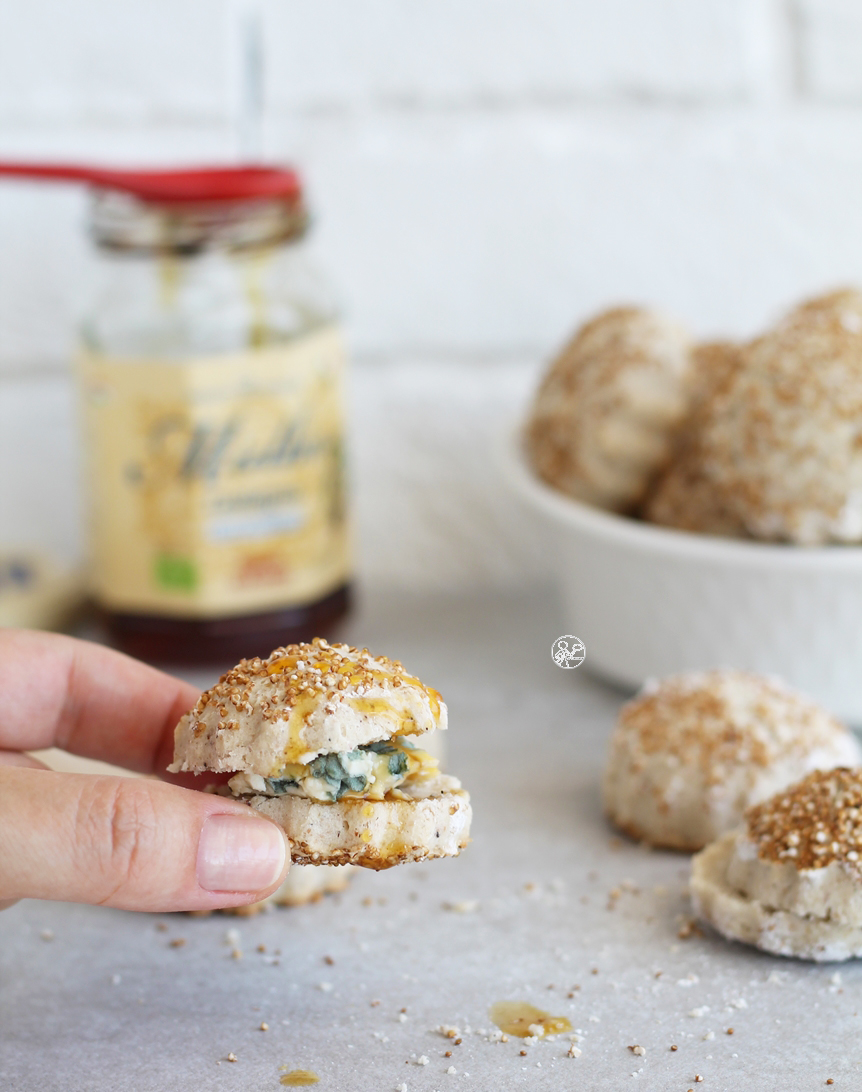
[568, 651]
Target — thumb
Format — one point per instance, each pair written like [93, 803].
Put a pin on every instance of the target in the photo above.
[132, 843]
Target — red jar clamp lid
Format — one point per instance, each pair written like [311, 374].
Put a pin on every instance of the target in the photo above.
[173, 186]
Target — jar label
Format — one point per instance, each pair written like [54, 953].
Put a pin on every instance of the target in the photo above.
[217, 484]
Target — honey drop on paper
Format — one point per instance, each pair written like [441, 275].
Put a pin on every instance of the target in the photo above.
[517, 1017]
[299, 1078]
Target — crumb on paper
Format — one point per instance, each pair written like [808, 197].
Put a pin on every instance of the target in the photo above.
[264, 1026]
[701, 1011]
[573, 1052]
[232, 938]
[637, 1049]
[177, 942]
[402, 1017]
[422, 1059]
[116, 979]
[449, 1032]
[689, 928]
[48, 934]
[451, 1070]
[232, 1057]
[464, 906]
[236, 953]
[326, 987]
[329, 961]
[709, 1035]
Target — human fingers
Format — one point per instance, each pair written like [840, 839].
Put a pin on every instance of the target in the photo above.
[15, 758]
[89, 700]
[133, 843]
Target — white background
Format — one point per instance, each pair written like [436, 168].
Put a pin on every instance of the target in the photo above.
[484, 173]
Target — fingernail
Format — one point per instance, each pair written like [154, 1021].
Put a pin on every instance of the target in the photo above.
[239, 854]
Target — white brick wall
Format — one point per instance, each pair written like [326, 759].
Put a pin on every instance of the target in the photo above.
[484, 172]
[329, 52]
[830, 43]
[100, 59]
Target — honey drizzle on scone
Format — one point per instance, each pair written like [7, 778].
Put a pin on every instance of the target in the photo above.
[302, 677]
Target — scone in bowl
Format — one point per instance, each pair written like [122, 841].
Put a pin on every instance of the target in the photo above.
[648, 601]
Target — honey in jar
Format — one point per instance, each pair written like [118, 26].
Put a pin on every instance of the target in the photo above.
[211, 371]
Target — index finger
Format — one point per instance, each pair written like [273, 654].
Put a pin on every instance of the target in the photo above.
[59, 691]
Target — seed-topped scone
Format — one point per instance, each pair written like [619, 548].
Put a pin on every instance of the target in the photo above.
[604, 417]
[692, 752]
[317, 737]
[779, 443]
[789, 880]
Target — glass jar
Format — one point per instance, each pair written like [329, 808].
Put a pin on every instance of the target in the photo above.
[211, 373]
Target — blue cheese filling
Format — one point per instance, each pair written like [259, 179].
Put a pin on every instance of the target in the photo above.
[370, 772]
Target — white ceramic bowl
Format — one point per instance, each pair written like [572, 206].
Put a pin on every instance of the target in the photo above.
[648, 601]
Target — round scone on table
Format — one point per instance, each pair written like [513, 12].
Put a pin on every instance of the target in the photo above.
[319, 738]
[789, 880]
[604, 417]
[691, 753]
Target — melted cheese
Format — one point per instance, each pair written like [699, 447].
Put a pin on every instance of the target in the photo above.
[299, 779]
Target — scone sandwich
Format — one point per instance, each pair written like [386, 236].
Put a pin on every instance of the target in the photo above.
[319, 739]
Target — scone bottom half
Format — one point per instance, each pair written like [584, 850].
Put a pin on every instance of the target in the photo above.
[320, 738]
[789, 881]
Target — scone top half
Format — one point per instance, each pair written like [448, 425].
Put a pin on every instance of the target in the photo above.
[789, 879]
[317, 720]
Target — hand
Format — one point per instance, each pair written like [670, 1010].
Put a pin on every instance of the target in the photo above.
[134, 843]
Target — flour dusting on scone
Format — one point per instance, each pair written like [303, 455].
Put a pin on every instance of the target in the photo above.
[319, 738]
